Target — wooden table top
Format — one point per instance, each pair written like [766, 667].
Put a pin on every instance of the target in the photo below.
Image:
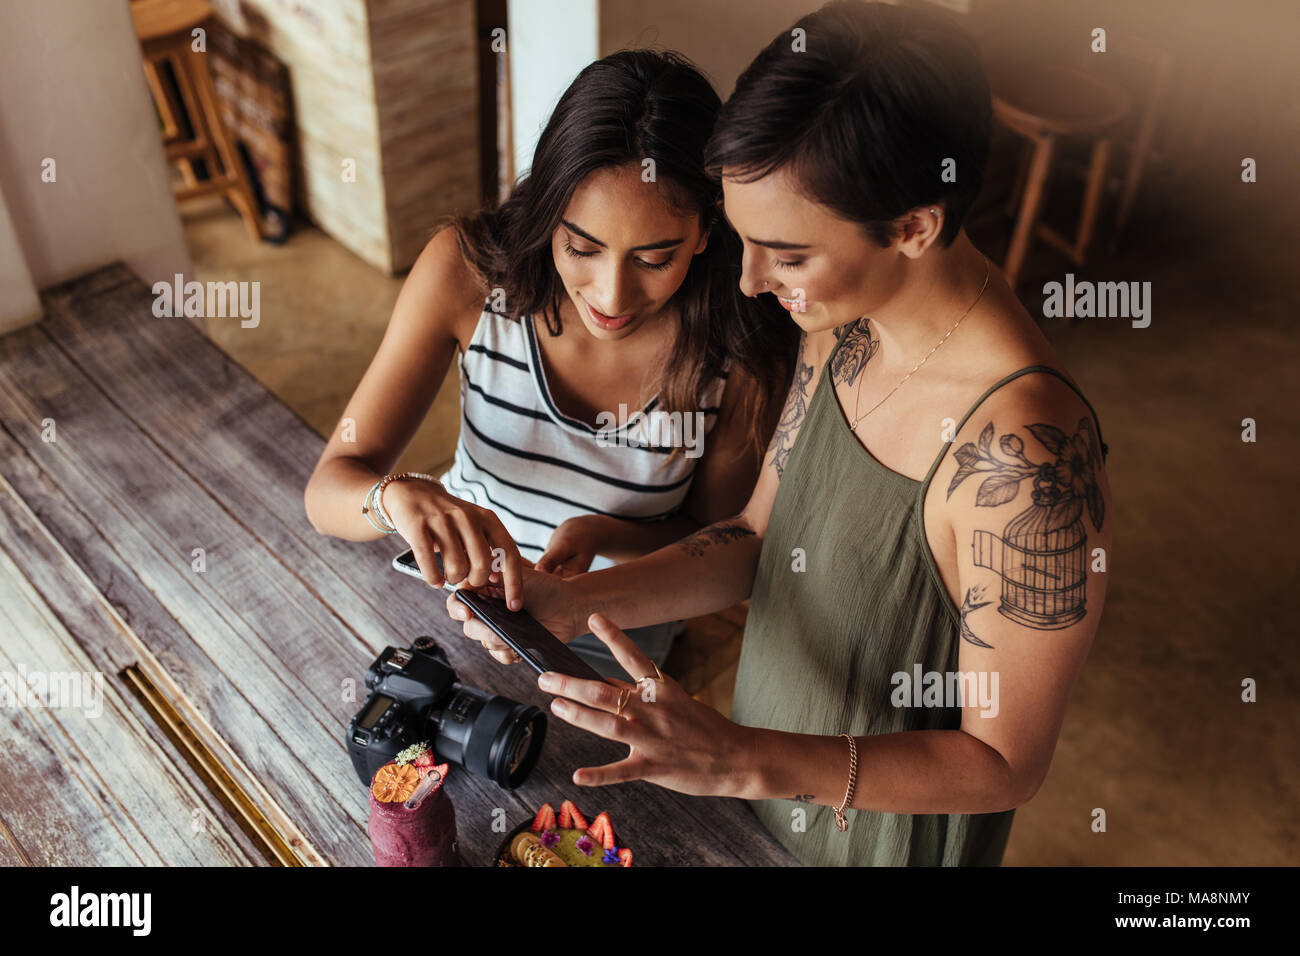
[127, 443]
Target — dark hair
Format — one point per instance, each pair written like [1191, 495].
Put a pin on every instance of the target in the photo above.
[625, 108]
[865, 116]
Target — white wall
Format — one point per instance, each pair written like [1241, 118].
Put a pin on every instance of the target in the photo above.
[72, 89]
[550, 41]
[720, 37]
[18, 302]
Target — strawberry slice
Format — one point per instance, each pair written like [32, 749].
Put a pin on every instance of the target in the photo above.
[423, 764]
[625, 856]
[603, 830]
[545, 819]
[571, 812]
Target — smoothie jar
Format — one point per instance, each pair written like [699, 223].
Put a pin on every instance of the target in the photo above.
[413, 824]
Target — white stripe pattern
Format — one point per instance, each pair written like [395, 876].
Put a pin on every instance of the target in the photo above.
[535, 467]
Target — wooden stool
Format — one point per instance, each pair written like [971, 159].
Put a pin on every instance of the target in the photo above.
[1043, 102]
[192, 125]
[1150, 86]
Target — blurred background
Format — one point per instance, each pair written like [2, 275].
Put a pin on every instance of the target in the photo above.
[309, 146]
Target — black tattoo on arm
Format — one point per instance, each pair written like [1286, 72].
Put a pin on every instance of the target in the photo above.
[1041, 554]
[721, 533]
[973, 601]
[856, 349]
[796, 406]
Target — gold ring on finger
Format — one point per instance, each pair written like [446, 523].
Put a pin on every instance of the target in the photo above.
[624, 696]
[659, 677]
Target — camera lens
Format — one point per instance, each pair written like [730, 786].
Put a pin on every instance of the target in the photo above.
[489, 735]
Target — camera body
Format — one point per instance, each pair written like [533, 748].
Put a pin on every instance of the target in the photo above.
[415, 696]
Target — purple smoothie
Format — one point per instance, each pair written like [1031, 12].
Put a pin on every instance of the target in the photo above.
[425, 836]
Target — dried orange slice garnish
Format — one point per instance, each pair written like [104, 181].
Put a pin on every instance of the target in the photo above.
[395, 783]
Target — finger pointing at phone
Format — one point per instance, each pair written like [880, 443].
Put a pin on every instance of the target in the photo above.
[475, 547]
[673, 740]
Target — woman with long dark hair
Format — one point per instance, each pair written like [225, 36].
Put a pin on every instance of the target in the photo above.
[617, 390]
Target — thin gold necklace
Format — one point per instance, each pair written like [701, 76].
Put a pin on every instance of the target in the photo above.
[857, 420]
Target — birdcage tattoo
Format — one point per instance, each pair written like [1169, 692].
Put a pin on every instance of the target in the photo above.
[1042, 568]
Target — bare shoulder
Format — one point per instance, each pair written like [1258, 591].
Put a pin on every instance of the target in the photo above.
[1030, 451]
[1046, 393]
[444, 288]
[1004, 339]
[1035, 435]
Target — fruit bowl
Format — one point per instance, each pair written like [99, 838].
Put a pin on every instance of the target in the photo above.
[565, 835]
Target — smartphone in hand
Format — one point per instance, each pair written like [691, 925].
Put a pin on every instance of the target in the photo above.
[538, 647]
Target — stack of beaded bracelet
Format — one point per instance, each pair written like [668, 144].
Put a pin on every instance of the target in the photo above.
[374, 506]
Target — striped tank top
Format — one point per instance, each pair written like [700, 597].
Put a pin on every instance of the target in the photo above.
[534, 467]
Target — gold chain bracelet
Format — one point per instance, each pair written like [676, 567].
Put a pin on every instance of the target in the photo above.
[840, 822]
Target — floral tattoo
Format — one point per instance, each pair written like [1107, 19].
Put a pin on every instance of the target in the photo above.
[697, 543]
[1041, 553]
[796, 407]
[1066, 484]
[854, 352]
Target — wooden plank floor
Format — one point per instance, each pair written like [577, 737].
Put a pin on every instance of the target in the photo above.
[162, 446]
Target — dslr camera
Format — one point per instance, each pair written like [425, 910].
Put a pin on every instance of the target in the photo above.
[414, 696]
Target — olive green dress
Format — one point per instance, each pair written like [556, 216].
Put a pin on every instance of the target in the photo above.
[820, 645]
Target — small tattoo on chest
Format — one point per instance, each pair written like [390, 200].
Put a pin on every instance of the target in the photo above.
[853, 354]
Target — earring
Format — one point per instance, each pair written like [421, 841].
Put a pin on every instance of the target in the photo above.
[934, 212]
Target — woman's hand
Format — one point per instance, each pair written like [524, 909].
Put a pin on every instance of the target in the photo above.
[676, 742]
[547, 597]
[469, 538]
[573, 544]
